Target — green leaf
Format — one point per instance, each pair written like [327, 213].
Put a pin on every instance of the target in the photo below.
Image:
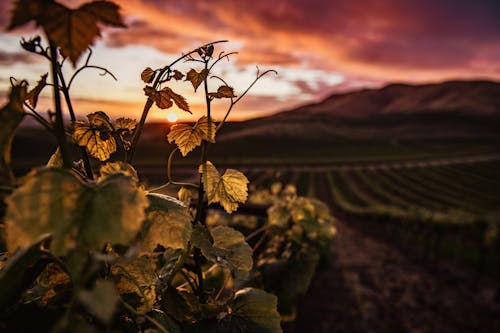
[10, 118]
[225, 247]
[188, 137]
[114, 212]
[47, 202]
[112, 168]
[253, 311]
[196, 78]
[230, 189]
[168, 223]
[32, 96]
[100, 301]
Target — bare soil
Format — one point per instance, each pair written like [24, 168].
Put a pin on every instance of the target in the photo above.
[370, 285]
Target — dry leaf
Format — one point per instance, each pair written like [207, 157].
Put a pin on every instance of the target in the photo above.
[32, 96]
[188, 137]
[196, 78]
[148, 75]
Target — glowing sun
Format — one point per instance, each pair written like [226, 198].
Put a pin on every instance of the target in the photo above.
[172, 117]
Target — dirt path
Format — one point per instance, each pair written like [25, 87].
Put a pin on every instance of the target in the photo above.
[370, 286]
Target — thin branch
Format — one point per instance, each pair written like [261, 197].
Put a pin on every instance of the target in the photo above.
[38, 117]
[86, 66]
[221, 56]
[150, 319]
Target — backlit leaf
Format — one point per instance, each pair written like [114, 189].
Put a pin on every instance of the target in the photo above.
[148, 75]
[47, 202]
[32, 96]
[196, 78]
[228, 248]
[101, 301]
[185, 195]
[11, 116]
[56, 159]
[253, 311]
[168, 223]
[72, 30]
[125, 124]
[55, 201]
[118, 167]
[114, 212]
[223, 92]
[188, 137]
[95, 135]
[229, 190]
[178, 99]
[162, 100]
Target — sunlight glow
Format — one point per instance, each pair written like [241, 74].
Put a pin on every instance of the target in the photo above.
[172, 117]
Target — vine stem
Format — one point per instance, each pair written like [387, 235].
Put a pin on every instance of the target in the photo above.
[59, 125]
[149, 101]
[149, 318]
[83, 150]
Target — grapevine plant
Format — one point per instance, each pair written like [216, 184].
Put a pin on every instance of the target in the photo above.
[88, 248]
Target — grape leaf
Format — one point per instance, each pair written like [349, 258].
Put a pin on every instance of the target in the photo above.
[168, 223]
[95, 135]
[196, 78]
[177, 75]
[178, 99]
[228, 190]
[55, 201]
[223, 92]
[228, 248]
[72, 30]
[32, 96]
[114, 212]
[188, 137]
[148, 75]
[162, 100]
[47, 202]
[11, 116]
[101, 301]
[137, 276]
[125, 124]
[56, 159]
[185, 195]
[118, 167]
[253, 311]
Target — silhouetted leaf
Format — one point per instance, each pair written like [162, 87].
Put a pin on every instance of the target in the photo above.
[228, 248]
[10, 117]
[223, 92]
[188, 137]
[178, 99]
[32, 96]
[196, 78]
[148, 75]
[72, 30]
[177, 75]
[168, 223]
[229, 190]
[162, 100]
[118, 167]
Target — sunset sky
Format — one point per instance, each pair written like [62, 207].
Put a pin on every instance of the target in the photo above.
[317, 46]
